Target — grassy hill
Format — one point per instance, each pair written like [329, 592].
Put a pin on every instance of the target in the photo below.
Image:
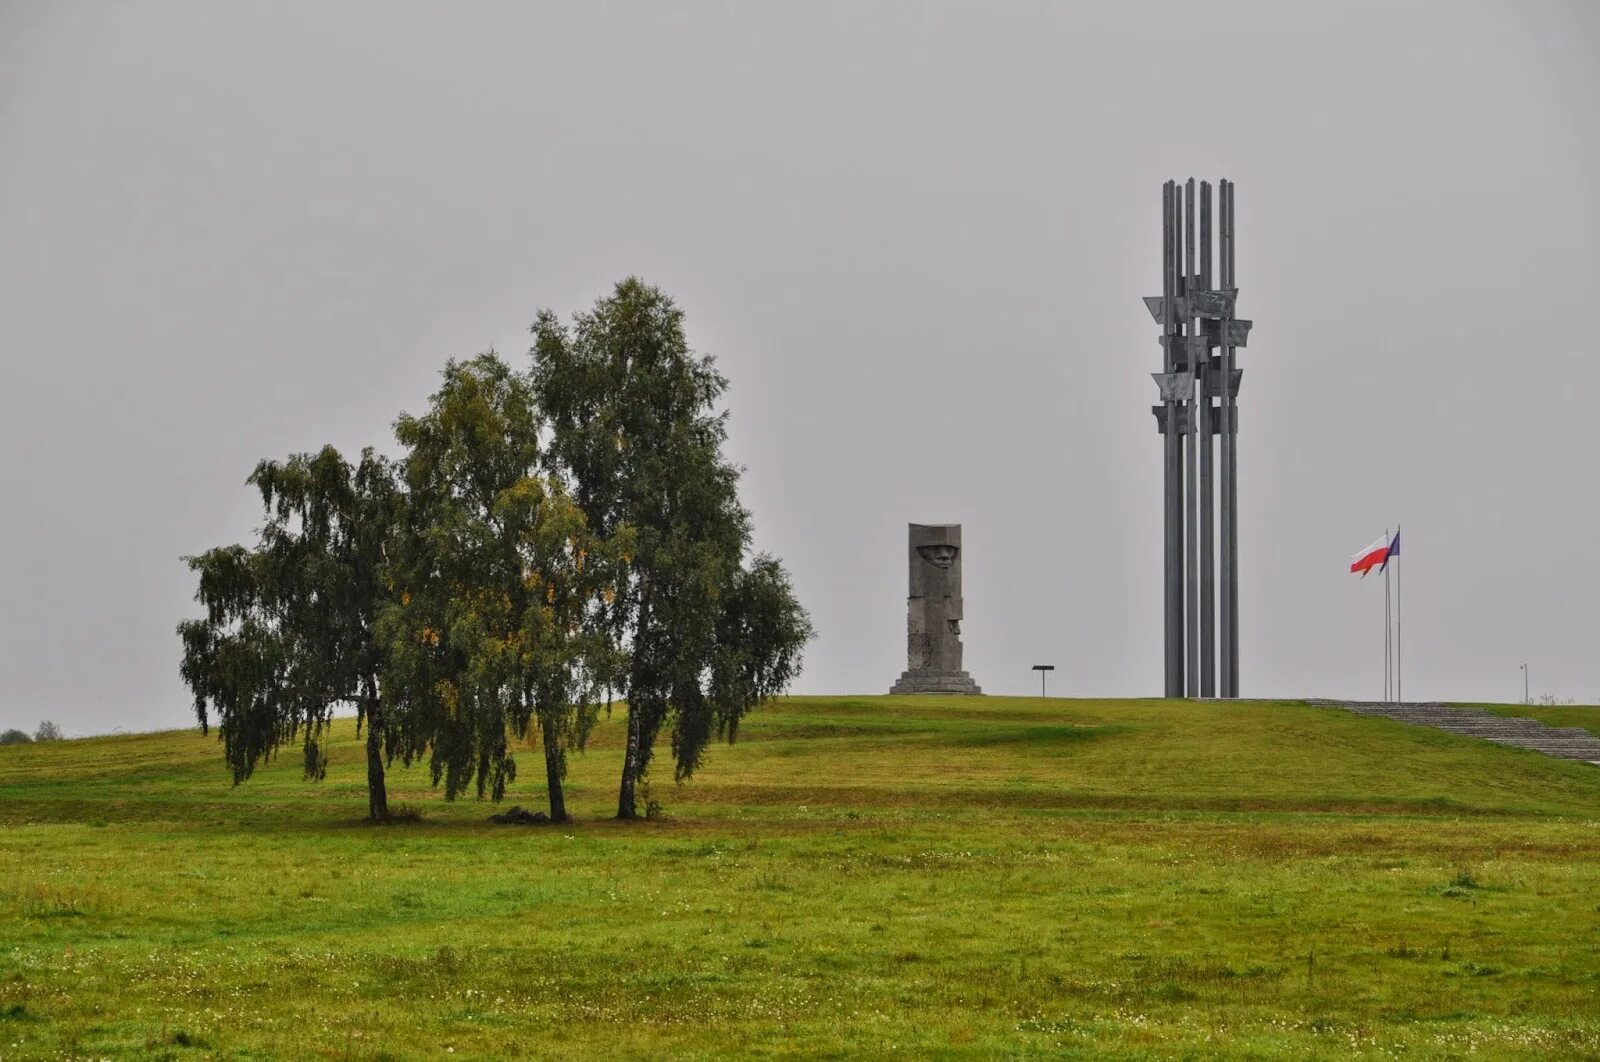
[857, 876]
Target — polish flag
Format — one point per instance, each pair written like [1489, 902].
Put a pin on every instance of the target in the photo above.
[1371, 557]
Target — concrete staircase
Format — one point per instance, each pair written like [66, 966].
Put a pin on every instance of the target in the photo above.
[1563, 742]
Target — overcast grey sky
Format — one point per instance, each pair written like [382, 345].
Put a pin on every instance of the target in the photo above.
[915, 237]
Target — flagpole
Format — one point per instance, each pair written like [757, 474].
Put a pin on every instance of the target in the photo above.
[1399, 629]
[1388, 663]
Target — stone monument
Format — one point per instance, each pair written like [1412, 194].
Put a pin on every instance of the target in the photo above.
[933, 614]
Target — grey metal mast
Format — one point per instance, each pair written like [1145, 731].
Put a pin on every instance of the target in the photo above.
[1191, 327]
[1225, 445]
[1173, 472]
[1208, 506]
[1233, 377]
[1229, 428]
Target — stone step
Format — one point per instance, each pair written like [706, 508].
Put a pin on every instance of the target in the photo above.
[936, 682]
[1561, 742]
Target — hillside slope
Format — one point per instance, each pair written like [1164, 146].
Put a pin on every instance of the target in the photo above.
[943, 875]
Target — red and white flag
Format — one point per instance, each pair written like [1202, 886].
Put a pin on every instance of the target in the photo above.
[1374, 556]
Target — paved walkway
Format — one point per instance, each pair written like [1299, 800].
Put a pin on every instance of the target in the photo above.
[1563, 742]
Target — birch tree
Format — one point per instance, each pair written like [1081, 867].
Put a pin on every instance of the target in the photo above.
[705, 636]
[498, 633]
[289, 628]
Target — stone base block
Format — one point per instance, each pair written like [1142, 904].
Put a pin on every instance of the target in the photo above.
[935, 682]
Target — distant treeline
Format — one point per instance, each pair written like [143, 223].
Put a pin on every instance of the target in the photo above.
[547, 540]
[47, 731]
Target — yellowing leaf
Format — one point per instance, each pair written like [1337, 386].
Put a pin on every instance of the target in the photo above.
[451, 699]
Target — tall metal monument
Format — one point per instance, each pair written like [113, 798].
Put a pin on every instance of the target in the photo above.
[1199, 390]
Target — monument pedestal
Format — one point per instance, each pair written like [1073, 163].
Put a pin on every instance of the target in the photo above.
[935, 682]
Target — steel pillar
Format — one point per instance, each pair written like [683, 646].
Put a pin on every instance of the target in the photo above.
[1231, 396]
[1173, 470]
[1191, 502]
[1208, 508]
[1225, 484]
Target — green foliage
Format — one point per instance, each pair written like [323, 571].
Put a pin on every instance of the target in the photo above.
[634, 427]
[288, 630]
[486, 591]
[15, 737]
[499, 628]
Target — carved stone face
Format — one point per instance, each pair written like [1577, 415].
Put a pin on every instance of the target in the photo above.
[939, 556]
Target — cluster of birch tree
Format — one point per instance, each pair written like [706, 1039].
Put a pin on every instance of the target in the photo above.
[547, 541]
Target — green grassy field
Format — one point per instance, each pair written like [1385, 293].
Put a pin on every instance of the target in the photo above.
[857, 876]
